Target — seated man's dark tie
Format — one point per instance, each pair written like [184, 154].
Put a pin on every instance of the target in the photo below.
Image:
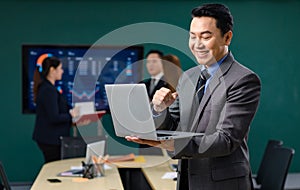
[152, 85]
[204, 76]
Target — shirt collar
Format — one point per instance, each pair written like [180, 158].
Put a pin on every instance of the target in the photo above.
[214, 67]
[158, 76]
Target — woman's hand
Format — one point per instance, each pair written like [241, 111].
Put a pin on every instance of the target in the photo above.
[74, 112]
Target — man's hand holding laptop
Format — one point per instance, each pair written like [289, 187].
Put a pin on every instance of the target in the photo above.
[162, 99]
[164, 144]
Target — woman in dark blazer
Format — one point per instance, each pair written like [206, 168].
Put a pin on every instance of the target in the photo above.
[53, 115]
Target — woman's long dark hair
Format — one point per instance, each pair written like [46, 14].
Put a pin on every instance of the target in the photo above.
[41, 73]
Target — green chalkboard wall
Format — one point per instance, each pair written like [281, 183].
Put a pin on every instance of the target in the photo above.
[266, 39]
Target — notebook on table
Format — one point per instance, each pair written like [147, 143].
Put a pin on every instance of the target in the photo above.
[132, 115]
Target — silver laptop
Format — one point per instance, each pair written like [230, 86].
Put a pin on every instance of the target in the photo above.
[132, 116]
[94, 149]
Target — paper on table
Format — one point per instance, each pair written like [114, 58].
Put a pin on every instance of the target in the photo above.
[169, 175]
[106, 167]
[76, 167]
[71, 173]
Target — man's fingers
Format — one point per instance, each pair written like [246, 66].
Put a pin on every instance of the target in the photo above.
[163, 92]
[163, 89]
[174, 95]
[163, 98]
[162, 95]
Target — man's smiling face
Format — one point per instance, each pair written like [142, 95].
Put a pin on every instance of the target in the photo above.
[206, 41]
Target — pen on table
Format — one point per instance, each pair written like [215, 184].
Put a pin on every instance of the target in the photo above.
[102, 160]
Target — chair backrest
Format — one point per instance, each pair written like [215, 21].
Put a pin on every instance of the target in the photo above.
[4, 180]
[262, 169]
[277, 168]
[74, 147]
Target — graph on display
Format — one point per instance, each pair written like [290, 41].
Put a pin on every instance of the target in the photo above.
[84, 95]
[86, 71]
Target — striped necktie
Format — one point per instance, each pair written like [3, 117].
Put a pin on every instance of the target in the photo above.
[204, 76]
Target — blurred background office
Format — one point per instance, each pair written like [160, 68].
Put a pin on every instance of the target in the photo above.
[266, 40]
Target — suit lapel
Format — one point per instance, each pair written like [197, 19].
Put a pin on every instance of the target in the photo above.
[147, 83]
[187, 95]
[213, 84]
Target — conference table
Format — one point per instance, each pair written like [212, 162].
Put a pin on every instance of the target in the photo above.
[151, 167]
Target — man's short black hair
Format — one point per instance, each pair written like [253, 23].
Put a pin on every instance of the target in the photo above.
[155, 51]
[218, 11]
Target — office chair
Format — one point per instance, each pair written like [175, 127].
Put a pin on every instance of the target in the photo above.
[72, 147]
[262, 169]
[91, 139]
[277, 168]
[75, 147]
[6, 185]
[4, 180]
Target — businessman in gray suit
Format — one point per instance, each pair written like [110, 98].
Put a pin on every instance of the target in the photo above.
[221, 103]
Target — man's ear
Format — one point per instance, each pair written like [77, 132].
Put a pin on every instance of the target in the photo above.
[228, 37]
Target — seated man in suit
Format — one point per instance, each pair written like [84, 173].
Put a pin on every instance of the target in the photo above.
[155, 69]
[154, 64]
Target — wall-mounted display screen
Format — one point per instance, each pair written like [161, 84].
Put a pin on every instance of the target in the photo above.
[86, 70]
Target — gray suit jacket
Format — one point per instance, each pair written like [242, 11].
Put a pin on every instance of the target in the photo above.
[219, 159]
